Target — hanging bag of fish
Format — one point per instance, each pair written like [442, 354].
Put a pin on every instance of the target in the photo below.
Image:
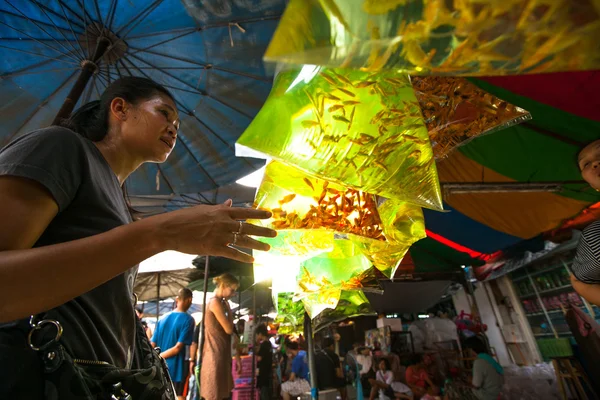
[440, 37]
[362, 130]
[456, 111]
[311, 214]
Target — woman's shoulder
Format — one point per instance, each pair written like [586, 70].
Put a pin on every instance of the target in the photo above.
[54, 133]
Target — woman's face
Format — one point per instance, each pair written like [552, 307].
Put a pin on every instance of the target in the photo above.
[229, 291]
[382, 365]
[589, 164]
[149, 129]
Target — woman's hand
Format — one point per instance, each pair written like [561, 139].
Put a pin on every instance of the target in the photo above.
[209, 230]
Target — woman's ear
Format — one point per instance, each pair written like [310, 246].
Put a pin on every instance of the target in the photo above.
[119, 108]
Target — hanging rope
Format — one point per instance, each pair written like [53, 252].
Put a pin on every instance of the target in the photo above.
[237, 26]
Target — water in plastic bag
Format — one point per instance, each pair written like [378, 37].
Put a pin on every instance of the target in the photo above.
[362, 130]
[312, 214]
[441, 37]
[456, 111]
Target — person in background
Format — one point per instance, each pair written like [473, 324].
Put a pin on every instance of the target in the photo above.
[147, 329]
[216, 380]
[384, 385]
[365, 359]
[487, 379]
[264, 356]
[173, 332]
[418, 378]
[585, 269]
[329, 368]
[297, 384]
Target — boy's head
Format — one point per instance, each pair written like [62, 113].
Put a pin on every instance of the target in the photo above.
[329, 343]
[293, 348]
[261, 332]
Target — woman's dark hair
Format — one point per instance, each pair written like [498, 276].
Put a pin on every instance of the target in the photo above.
[292, 346]
[91, 119]
[388, 367]
[476, 344]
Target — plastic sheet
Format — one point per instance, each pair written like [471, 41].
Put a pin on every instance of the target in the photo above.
[530, 383]
[457, 111]
[468, 37]
[311, 214]
[351, 304]
[362, 130]
[290, 313]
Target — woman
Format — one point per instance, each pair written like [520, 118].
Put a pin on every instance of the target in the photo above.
[216, 381]
[68, 247]
[384, 384]
[487, 378]
[418, 377]
[585, 269]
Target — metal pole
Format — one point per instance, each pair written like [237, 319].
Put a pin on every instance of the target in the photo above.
[88, 68]
[157, 297]
[205, 289]
[253, 383]
[312, 365]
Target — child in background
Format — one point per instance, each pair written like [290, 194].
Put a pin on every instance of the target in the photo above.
[264, 356]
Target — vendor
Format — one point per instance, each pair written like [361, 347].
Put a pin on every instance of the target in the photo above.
[418, 377]
[585, 269]
[487, 379]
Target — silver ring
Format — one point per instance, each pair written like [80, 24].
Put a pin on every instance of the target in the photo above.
[239, 231]
[235, 236]
[37, 327]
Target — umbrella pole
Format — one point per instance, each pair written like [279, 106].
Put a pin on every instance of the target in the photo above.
[312, 365]
[158, 297]
[254, 347]
[204, 289]
[88, 69]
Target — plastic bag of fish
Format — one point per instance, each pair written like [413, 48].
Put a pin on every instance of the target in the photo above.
[311, 214]
[441, 37]
[362, 130]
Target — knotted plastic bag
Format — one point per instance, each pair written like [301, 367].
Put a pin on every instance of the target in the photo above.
[362, 130]
[457, 111]
[290, 313]
[421, 37]
[311, 214]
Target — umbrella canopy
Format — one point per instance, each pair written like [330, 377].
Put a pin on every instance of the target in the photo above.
[565, 117]
[207, 53]
[163, 284]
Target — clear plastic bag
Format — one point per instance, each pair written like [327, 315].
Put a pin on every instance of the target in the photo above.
[311, 215]
[456, 112]
[361, 130]
[421, 37]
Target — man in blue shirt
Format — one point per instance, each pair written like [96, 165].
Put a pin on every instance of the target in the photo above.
[173, 332]
[297, 384]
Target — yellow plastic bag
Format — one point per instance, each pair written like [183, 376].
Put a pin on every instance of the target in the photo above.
[362, 130]
[316, 213]
[456, 111]
[461, 37]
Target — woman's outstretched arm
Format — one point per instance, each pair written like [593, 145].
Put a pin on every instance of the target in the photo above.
[33, 280]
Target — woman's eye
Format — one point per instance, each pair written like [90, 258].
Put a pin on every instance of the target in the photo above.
[165, 113]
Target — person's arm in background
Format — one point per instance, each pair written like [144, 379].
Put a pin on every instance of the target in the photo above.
[590, 292]
[173, 351]
[217, 308]
[194, 349]
[477, 380]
